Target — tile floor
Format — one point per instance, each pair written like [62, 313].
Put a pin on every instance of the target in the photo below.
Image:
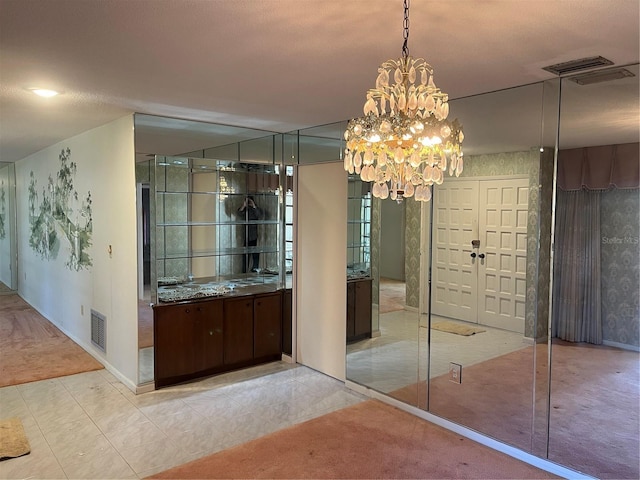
[91, 426]
[398, 357]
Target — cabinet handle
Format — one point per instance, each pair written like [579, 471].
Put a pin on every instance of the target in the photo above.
[210, 332]
[481, 255]
[473, 255]
[186, 310]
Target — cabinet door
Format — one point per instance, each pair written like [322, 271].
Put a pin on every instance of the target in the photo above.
[351, 310]
[238, 330]
[363, 308]
[210, 333]
[174, 339]
[267, 333]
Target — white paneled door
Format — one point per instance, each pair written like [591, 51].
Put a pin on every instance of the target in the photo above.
[455, 224]
[485, 283]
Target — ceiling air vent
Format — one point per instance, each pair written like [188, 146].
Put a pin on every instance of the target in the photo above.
[601, 76]
[577, 65]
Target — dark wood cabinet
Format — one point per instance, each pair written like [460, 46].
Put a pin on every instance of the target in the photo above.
[267, 325]
[210, 326]
[351, 310]
[174, 337]
[212, 336]
[238, 330]
[359, 309]
[287, 319]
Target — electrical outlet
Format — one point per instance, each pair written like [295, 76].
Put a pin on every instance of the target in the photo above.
[455, 372]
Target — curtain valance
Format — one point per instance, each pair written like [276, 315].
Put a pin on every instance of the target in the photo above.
[599, 168]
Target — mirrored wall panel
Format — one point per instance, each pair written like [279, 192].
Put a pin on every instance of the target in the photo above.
[204, 240]
[8, 256]
[462, 297]
[485, 302]
[595, 339]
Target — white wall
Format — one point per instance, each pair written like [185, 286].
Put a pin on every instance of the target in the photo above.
[105, 167]
[321, 257]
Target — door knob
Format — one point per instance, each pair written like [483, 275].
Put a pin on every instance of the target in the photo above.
[481, 255]
[473, 255]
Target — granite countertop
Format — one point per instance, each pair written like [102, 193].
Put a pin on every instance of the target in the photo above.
[355, 274]
[201, 289]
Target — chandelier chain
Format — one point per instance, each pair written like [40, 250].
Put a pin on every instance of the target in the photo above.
[405, 25]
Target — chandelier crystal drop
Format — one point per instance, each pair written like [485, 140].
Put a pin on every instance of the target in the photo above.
[404, 142]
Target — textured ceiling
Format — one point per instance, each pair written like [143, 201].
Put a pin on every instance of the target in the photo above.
[276, 65]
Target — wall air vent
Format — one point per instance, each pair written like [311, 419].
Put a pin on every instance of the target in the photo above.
[98, 330]
[577, 65]
[601, 76]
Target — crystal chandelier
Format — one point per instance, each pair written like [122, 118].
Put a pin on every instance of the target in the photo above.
[404, 143]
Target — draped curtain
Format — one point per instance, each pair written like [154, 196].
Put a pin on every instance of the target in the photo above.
[584, 175]
[577, 310]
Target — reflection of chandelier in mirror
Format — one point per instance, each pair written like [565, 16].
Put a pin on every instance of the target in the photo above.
[225, 188]
[404, 143]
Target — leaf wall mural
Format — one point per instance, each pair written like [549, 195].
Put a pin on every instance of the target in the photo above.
[57, 214]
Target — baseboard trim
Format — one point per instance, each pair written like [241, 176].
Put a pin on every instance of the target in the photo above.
[623, 346]
[492, 443]
[91, 351]
[110, 368]
[145, 388]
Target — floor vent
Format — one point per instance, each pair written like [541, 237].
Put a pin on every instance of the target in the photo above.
[98, 330]
[577, 65]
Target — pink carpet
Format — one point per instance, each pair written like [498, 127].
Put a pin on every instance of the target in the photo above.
[368, 440]
[595, 406]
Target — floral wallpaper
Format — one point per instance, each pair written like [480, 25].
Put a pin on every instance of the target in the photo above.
[620, 259]
[58, 215]
[412, 252]
[537, 307]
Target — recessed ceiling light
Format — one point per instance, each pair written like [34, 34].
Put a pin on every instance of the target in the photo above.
[44, 92]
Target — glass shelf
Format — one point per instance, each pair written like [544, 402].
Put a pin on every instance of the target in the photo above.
[220, 252]
[204, 234]
[358, 229]
[222, 223]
